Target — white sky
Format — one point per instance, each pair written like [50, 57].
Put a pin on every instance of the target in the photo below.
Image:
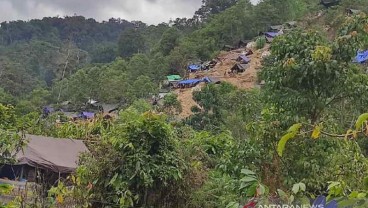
[148, 11]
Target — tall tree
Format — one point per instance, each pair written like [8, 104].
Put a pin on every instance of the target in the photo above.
[131, 41]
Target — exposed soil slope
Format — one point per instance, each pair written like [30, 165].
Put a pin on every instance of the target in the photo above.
[245, 80]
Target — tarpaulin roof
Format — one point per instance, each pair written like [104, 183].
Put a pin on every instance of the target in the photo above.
[211, 80]
[244, 58]
[330, 2]
[91, 101]
[240, 67]
[190, 81]
[276, 27]
[272, 34]
[48, 109]
[214, 80]
[354, 11]
[108, 108]
[194, 67]
[362, 56]
[174, 77]
[57, 155]
[206, 79]
[87, 114]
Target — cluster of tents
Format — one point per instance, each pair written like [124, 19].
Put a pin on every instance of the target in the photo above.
[176, 81]
[89, 110]
[277, 30]
[201, 66]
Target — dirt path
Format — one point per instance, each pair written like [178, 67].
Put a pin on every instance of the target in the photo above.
[185, 96]
[245, 80]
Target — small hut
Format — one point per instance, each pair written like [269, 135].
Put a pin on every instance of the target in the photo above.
[228, 48]
[51, 157]
[243, 59]
[239, 68]
[243, 43]
[275, 28]
[213, 80]
[189, 83]
[329, 3]
[194, 68]
[352, 12]
[271, 35]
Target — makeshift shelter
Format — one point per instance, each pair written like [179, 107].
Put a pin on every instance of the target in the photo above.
[362, 57]
[194, 67]
[86, 115]
[67, 106]
[109, 108]
[329, 3]
[243, 43]
[272, 34]
[213, 80]
[174, 78]
[228, 48]
[50, 155]
[238, 68]
[249, 52]
[47, 110]
[291, 24]
[243, 59]
[353, 11]
[162, 95]
[206, 65]
[57, 155]
[41, 163]
[189, 83]
[92, 102]
[275, 28]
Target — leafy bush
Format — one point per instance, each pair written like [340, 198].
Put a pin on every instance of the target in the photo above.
[260, 42]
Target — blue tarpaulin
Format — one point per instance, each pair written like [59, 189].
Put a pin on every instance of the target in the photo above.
[207, 80]
[190, 81]
[47, 110]
[194, 67]
[244, 59]
[272, 34]
[322, 202]
[86, 115]
[362, 56]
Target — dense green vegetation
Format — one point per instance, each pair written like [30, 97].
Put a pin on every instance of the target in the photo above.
[47, 54]
[299, 136]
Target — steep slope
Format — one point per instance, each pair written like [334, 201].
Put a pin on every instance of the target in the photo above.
[185, 97]
[246, 80]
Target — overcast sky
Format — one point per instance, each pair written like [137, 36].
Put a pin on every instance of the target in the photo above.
[149, 11]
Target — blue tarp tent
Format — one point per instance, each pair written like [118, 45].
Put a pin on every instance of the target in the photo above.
[207, 80]
[86, 115]
[272, 34]
[362, 56]
[190, 81]
[47, 110]
[194, 67]
[244, 59]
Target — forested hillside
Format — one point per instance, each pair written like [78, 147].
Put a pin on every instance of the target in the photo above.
[38, 54]
[296, 136]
